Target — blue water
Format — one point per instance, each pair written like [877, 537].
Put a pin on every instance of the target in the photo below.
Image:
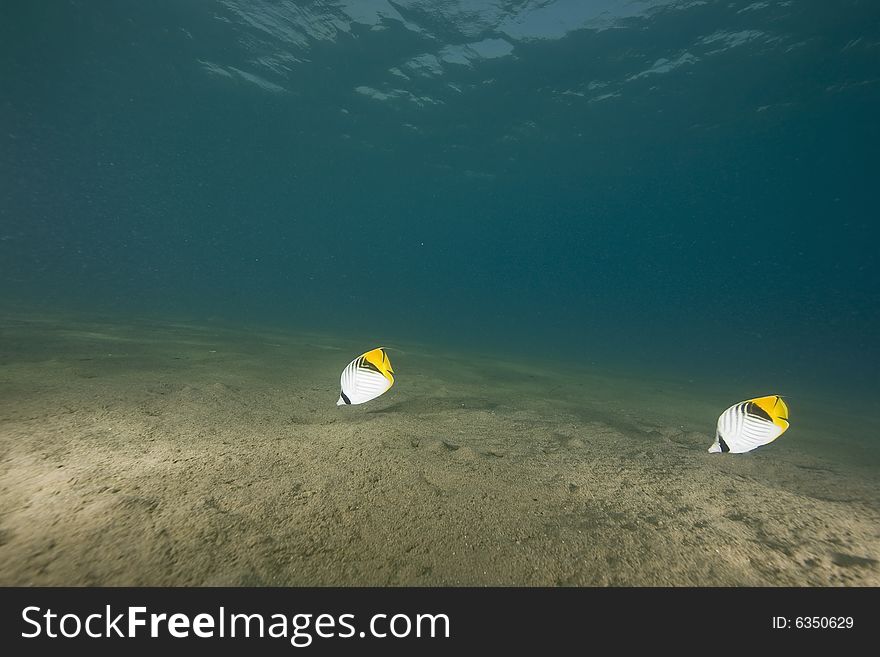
[687, 187]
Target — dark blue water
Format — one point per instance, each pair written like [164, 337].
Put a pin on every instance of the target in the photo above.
[675, 186]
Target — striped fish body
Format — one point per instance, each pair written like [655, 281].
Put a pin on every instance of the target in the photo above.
[750, 424]
[365, 378]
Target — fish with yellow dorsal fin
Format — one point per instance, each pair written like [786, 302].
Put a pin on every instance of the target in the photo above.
[750, 424]
[365, 378]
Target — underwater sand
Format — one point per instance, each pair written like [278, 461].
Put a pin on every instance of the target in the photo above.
[154, 454]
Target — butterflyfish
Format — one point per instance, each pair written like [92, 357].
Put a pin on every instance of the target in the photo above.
[750, 424]
[365, 378]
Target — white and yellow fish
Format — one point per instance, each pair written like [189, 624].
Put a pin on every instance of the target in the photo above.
[750, 424]
[366, 377]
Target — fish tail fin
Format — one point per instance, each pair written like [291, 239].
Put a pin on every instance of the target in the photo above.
[775, 407]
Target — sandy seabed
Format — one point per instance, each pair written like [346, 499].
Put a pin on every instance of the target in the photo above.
[143, 453]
